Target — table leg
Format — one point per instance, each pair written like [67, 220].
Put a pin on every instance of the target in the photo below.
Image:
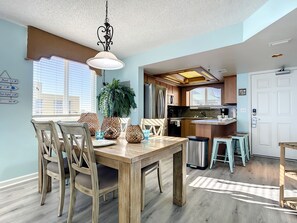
[129, 192]
[179, 176]
[282, 176]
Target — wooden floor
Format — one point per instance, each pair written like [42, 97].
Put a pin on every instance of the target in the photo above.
[248, 195]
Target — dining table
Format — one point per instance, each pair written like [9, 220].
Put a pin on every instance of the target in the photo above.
[130, 158]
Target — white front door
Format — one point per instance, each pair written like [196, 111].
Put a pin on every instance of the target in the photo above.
[274, 113]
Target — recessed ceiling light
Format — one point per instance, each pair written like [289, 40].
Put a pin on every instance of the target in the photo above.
[279, 42]
[277, 55]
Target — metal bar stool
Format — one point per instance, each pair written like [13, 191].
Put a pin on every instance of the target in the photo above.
[246, 144]
[228, 142]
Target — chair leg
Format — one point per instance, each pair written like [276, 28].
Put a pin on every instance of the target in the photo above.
[142, 190]
[62, 196]
[160, 179]
[95, 208]
[72, 201]
[247, 150]
[104, 197]
[241, 144]
[230, 155]
[114, 194]
[44, 185]
[214, 152]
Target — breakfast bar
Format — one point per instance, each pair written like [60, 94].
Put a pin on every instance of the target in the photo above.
[214, 128]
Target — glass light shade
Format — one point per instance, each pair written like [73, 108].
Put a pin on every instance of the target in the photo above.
[106, 61]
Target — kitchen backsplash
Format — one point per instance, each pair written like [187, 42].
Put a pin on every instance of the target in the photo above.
[185, 111]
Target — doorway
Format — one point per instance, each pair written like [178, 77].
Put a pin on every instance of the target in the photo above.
[274, 112]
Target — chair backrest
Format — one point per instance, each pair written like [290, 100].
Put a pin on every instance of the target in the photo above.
[156, 126]
[49, 145]
[80, 152]
[125, 122]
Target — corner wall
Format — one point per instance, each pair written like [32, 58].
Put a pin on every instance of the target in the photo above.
[242, 103]
[18, 145]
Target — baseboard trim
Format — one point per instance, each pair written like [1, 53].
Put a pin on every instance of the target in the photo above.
[17, 180]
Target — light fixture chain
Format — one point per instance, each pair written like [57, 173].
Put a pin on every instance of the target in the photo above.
[105, 33]
[106, 11]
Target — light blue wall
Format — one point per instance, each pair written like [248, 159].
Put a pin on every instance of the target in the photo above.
[242, 104]
[18, 146]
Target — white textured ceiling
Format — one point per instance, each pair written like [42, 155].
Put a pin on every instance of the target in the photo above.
[250, 56]
[139, 24]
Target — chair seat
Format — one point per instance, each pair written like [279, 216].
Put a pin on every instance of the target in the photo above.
[108, 177]
[53, 167]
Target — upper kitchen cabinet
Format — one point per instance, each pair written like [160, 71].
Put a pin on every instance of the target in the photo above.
[230, 90]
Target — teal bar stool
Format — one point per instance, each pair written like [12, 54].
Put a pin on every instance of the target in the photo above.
[239, 140]
[228, 142]
[246, 144]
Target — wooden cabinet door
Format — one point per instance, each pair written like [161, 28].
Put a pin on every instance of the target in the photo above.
[187, 128]
[230, 90]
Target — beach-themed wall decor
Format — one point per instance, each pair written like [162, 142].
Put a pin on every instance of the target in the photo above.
[8, 88]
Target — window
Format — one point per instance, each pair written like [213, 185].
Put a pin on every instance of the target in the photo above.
[62, 87]
[205, 96]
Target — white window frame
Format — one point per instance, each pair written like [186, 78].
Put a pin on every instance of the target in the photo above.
[206, 97]
[68, 117]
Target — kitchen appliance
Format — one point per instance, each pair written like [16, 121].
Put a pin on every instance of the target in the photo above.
[224, 112]
[155, 103]
[174, 127]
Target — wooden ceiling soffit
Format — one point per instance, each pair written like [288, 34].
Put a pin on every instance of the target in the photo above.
[177, 78]
[43, 44]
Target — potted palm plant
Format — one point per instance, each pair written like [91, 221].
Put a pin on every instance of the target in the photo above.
[115, 101]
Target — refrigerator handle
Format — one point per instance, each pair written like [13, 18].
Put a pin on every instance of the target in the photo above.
[161, 104]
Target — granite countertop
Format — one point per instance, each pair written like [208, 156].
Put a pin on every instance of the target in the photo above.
[213, 122]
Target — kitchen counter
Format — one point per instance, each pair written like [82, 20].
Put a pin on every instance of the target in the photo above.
[213, 128]
[213, 122]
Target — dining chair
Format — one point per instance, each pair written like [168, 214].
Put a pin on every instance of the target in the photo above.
[53, 163]
[125, 122]
[157, 128]
[85, 175]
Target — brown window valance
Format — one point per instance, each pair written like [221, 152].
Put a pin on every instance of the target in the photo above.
[43, 44]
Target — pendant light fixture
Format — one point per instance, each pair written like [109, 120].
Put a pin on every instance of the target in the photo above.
[105, 60]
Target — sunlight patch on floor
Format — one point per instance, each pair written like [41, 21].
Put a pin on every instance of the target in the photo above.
[219, 185]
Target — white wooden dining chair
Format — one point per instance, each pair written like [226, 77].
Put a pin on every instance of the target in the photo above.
[157, 128]
[125, 122]
[53, 163]
[85, 175]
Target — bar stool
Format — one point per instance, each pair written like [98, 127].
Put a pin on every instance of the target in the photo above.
[241, 141]
[246, 144]
[229, 150]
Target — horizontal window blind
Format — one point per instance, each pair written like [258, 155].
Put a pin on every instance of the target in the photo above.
[62, 87]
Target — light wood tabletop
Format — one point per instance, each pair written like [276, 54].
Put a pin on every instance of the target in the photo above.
[129, 159]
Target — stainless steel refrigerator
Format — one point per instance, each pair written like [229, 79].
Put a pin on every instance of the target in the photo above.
[155, 104]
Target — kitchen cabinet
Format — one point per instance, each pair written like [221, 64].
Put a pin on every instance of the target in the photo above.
[187, 128]
[230, 96]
